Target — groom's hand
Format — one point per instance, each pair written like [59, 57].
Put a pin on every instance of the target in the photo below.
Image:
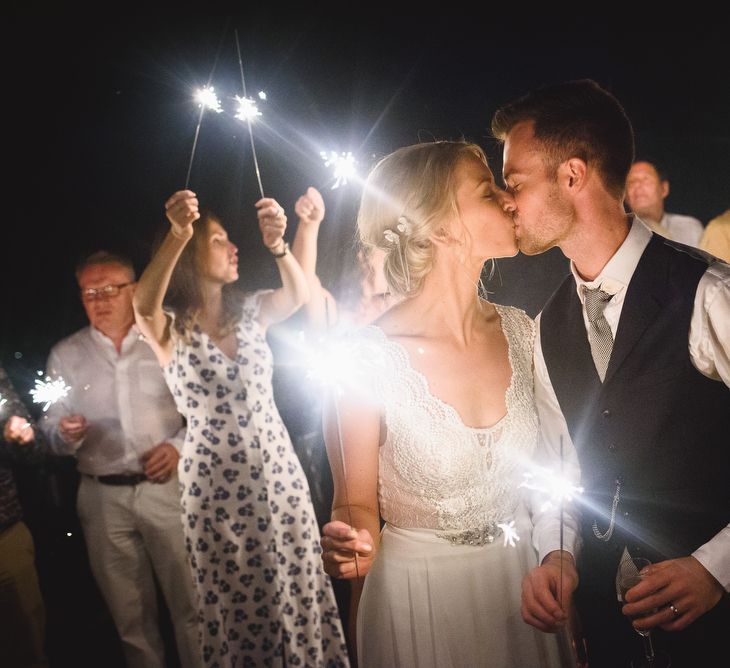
[541, 595]
[673, 595]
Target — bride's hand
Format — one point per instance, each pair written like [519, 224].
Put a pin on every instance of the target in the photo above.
[541, 600]
[346, 552]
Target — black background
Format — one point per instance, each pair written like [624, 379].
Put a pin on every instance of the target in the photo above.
[101, 122]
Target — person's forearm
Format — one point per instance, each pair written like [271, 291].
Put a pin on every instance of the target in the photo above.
[294, 283]
[304, 249]
[153, 283]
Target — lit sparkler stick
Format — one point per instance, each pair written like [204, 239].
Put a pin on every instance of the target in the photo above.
[49, 391]
[555, 487]
[207, 99]
[3, 401]
[343, 165]
[559, 490]
[247, 112]
[562, 523]
[335, 364]
[328, 371]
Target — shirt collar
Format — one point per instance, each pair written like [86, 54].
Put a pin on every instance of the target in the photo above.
[99, 337]
[617, 273]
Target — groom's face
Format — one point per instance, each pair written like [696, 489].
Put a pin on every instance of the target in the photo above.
[541, 215]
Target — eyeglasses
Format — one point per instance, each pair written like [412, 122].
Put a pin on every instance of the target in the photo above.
[90, 294]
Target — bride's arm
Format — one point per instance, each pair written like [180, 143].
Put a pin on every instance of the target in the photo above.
[350, 541]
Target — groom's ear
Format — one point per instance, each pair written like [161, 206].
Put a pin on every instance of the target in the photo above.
[572, 175]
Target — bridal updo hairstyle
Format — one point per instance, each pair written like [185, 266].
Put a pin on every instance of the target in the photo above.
[406, 198]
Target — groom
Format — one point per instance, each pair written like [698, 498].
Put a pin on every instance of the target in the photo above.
[632, 368]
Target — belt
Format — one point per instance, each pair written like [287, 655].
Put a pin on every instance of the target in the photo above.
[119, 479]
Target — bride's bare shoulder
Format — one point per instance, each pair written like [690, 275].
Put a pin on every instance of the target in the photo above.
[398, 320]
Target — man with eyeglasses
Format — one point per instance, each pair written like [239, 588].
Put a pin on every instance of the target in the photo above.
[120, 421]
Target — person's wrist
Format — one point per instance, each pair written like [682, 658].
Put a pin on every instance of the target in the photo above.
[556, 556]
[180, 235]
[279, 249]
[310, 225]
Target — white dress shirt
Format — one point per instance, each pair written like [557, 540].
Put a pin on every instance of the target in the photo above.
[709, 347]
[123, 396]
[684, 229]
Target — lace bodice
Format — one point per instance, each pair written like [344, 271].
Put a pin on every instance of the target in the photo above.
[436, 472]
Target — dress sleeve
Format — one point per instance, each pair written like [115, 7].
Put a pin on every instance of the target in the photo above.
[252, 304]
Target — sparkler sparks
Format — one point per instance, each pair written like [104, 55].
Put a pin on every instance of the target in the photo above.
[247, 109]
[248, 113]
[510, 533]
[207, 99]
[557, 488]
[343, 165]
[49, 391]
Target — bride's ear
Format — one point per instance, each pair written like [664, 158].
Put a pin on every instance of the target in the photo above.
[442, 237]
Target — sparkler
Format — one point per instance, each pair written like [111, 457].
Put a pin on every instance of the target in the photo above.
[510, 533]
[343, 165]
[559, 490]
[207, 99]
[247, 109]
[3, 401]
[334, 364]
[247, 112]
[562, 522]
[49, 391]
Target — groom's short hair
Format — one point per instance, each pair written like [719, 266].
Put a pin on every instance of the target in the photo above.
[576, 119]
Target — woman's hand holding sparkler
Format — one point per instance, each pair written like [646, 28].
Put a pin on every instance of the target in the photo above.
[310, 208]
[544, 605]
[346, 552]
[182, 211]
[272, 222]
[18, 430]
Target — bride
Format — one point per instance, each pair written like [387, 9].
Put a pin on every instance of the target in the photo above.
[438, 448]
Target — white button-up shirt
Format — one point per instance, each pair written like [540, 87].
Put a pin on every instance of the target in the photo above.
[709, 347]
[684, 229]
[123, 396]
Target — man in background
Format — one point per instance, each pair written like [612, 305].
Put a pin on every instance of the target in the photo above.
[120, 421]
[646, 190]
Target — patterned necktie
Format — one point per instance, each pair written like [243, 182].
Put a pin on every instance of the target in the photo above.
[599, 331]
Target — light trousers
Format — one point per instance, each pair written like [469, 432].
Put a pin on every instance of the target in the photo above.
[134, 533]
[22, 613]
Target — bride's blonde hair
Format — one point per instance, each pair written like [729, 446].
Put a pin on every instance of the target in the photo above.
[407, 196]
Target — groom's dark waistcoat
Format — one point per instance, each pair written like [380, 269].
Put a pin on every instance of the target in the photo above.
[656, 423]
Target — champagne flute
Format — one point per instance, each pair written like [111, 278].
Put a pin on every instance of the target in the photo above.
[628, 576]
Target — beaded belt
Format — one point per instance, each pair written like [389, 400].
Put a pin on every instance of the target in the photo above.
[482, 536]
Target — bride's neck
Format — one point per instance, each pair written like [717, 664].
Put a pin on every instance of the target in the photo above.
[448, 302]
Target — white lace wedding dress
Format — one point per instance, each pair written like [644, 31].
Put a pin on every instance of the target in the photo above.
[444, 590]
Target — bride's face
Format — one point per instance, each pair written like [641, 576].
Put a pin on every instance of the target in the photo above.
[485, 221]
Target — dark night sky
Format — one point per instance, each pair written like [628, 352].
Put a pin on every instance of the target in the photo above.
[101, 122]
